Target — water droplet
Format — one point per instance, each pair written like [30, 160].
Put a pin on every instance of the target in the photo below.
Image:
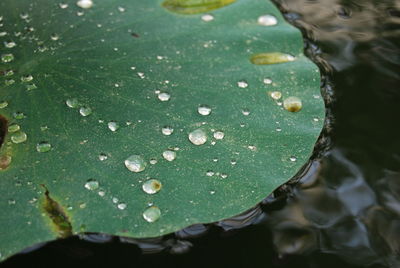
[210, 173]
[31, 87]
[204, 110]
[63, 5]
[9, 44]
[26, 78]
[278, 129]
[19, 115]
[207, 17]
[85, 111]
[169, 155]
[153, 161]
[121, 206]
[212, 192]
[167, 130]
[242, 84]
[198, 137]
[224, 175]
[102, 193]
[72, 103]
[271, 58]
[9, 82]
[141, 75]
[92, 184]
[245, 111]
[252, 148]
[152, 186]
[121, 9]
[135, 163]
[24, 16]
[3, 104]
[276, 95]
[19, 137]
[267, 20]
[9, 73]
[113, 126]
[164, 96]
[11, 202]
[219, 135]
[194, 6]
[233, 162]
[84, 3]
[43, 147]
[103, 157]
[7, 58]
[293, 159]
[13, 128]
[152, 214]
[3, 34]
[292, 104]
[54, 37]
[115, 200]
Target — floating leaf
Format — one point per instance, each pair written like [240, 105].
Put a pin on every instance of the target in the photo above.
[137, 121]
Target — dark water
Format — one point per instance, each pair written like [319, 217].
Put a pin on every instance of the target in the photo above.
[345, 209]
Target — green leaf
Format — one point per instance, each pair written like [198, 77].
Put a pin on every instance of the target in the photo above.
[98, 101]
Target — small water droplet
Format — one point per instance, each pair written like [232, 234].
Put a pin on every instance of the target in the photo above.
[135, 163]
[26, 78]
[9, 44]
[252, 148]
[293, 159]
[153, 161]
[113, 126]
[278, 129]
[219, 135]
[72, 103]
[19, 137]
[292, 104]
[152, 186]
[43, 147]
[3, 104]
[9, 73]
[102, 193]
[276, 95]
[54, 37]
[24, 16]
[3, 34]
[204, 109]
[233, 162]
[115, 200]
[169, 155]
[141, 75]
[31, 87]
[9, 82]
[224, 175]
[245, 111]
[198, 137]
[242, 84]
[63, 5]
[7, 58]
[210, 173]
[85, 111]
[84, 3]
[164, 96]
[19, 115]
[103, 157]
[13, 128]
[11, 202]
[267, 20]
[152, 214]
[121, 9]
[121, 206]
[212, 192]
[207, 17]
[92, 184]
[167, 130]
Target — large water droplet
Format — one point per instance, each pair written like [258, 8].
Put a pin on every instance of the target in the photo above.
[152, 214]
[19, 137]
[167, 130]
[169, 155]
[198, 137]
[267, 20]
[85, 111]
[7, 58]
[92, 184]
[271, 58]
[204, 109]
[135, 163]
[152, 186]
[43, 147]
[84, 3]
[292, 104]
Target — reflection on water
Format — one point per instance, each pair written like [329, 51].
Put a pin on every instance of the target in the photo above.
[345, 209]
